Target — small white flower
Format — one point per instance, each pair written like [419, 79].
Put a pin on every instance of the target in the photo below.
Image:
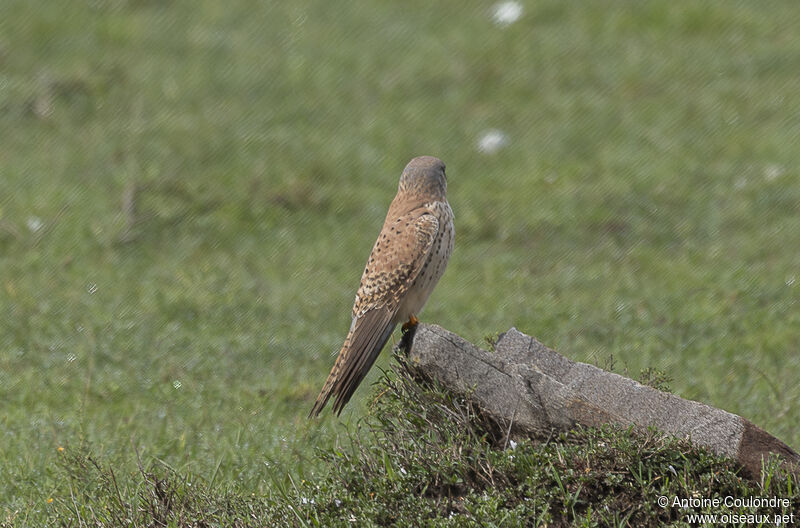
[773, 172]
[513, 444]
[34, 224]
[492, 140]
[403, 471]
[505, 13]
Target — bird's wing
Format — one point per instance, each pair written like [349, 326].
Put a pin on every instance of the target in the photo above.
[398, 256]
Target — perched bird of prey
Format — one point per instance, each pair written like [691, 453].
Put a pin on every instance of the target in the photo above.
[406, 262]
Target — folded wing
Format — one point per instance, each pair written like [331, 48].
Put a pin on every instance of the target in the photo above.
[399, 254]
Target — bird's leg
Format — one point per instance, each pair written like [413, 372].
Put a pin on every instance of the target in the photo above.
[412, 322]
[409, 329]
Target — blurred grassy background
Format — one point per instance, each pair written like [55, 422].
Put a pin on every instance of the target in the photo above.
[189, 190]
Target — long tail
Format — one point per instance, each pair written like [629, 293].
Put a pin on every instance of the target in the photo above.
[364, 342]
[327, 389]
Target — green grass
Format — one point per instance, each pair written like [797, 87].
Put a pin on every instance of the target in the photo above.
[189, 190]
[424, 458]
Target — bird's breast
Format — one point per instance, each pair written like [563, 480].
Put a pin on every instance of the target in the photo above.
[434, 266]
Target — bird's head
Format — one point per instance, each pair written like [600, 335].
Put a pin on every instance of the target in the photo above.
[424, 175]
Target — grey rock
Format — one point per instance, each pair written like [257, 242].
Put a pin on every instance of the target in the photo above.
[534, 391]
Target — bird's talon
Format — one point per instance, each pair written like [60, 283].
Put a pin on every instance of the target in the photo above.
[412, 322]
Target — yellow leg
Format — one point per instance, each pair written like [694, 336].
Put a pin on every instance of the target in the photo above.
[412, 322]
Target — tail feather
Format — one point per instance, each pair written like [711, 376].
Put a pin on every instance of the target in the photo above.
[327, 389]
[353, 378]
[366, 339]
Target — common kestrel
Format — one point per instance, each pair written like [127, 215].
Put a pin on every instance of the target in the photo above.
[406, 262]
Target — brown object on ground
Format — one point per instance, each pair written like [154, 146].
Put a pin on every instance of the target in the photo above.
[534, 391]
[407, 260]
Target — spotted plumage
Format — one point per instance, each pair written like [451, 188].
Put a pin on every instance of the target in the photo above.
[407, 260]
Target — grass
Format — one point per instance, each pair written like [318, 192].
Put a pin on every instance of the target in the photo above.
[188, 191]
[423, 458]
